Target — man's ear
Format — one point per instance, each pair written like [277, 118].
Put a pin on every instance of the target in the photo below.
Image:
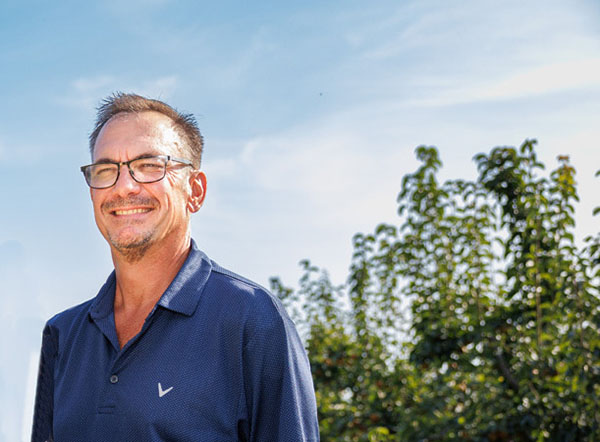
[198, 191]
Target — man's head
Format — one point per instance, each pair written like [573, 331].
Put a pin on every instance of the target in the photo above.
[133, 214]
[184, 124]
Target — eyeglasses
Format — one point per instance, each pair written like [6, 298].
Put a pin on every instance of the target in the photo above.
[143, 170]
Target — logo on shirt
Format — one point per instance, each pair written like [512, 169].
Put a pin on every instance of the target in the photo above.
[162, 392]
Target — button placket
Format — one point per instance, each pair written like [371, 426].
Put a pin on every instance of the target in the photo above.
[108, 403]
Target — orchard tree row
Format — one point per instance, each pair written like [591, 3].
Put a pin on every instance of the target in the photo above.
[476, 318]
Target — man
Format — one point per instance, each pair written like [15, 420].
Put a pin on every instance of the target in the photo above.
[173, 347]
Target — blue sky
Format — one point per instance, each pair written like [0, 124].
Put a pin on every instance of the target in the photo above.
[310, 110]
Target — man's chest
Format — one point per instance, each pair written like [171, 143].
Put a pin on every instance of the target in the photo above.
[174, 381]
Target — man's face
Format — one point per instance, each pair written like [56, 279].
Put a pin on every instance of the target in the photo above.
[133, 216]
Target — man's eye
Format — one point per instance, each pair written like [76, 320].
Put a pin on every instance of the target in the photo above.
[149, 165]
[103, 170]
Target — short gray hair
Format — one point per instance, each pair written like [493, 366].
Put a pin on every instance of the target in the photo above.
[184, 124]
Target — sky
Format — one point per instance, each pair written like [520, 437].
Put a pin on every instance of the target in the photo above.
[310, 111]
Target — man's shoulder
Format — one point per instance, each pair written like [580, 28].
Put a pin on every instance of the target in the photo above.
[67, 317]
[224, 276]
[252, 307]
[254, 297]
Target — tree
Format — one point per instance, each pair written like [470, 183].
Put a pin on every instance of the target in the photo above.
[477, 318]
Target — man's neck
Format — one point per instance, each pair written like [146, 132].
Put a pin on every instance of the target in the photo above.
[140, 284]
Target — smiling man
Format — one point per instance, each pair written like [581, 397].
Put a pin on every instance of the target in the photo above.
[173, 346]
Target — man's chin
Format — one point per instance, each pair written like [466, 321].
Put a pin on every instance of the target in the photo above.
[132, 249]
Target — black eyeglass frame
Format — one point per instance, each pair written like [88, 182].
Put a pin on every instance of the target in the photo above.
[167, 158]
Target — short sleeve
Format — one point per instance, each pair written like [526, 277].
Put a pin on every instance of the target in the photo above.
[280, 400]
[44, 399]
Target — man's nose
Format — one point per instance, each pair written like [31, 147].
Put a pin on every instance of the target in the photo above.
[125, 183]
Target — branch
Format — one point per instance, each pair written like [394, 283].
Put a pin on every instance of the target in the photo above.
[512, 382]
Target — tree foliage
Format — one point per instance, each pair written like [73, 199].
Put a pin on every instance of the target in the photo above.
[477, 318]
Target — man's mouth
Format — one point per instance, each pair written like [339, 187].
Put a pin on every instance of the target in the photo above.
[129, 206]
[124, 212]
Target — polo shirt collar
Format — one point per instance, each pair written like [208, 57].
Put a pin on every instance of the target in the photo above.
[182, 295]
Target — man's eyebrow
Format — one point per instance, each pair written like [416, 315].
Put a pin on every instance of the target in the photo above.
[104, 161]
[143, 155]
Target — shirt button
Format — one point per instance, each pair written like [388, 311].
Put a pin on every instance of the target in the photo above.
[114, 379]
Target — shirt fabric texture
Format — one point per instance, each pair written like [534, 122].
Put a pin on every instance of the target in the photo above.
[217, 359]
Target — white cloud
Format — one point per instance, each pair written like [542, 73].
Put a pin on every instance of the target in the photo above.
[555, 77]
[303, 192]
[334, 166]
[511, 30]
[436, 53]
[320, 162]
[547, 79]
[312, 186]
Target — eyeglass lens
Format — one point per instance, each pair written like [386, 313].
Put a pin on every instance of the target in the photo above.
[143, 170]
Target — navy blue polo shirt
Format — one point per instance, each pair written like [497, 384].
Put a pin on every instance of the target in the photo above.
[217, 359]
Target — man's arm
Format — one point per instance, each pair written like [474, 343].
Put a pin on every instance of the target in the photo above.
[280, 400]
[44, 399]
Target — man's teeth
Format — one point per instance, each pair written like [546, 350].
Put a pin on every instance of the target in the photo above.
[131, 211]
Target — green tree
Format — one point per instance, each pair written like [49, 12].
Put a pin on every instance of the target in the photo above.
[477, 318]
